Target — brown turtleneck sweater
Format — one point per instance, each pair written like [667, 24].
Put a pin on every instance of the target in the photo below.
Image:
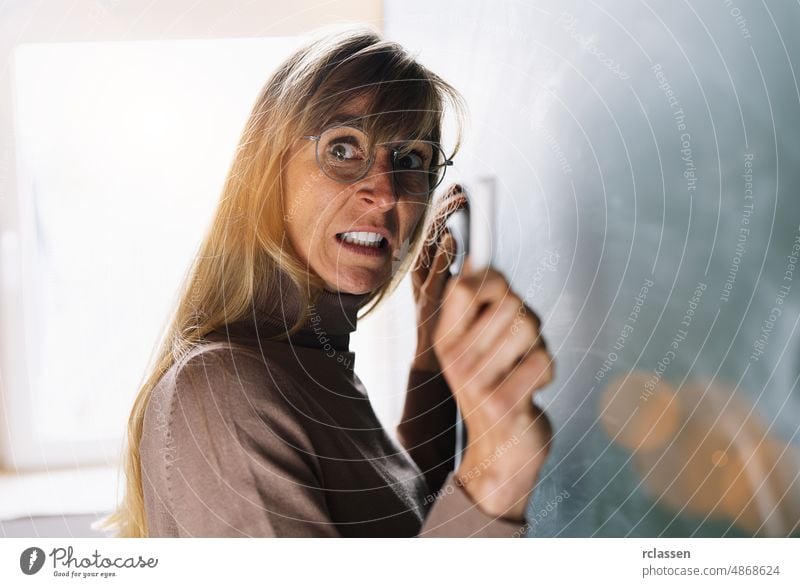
[249, 437]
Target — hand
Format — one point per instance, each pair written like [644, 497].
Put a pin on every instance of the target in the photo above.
[429, 275]
[493, 359]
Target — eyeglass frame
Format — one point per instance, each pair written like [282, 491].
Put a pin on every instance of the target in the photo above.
[316, 138]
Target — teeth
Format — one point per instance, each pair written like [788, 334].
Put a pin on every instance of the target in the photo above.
[366, 239]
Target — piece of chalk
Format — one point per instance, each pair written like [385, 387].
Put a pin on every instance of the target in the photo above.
[482, 200]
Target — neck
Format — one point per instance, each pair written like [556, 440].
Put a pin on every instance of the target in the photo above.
[328, 323]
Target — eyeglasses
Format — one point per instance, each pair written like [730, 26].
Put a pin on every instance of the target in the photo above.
[343, 155]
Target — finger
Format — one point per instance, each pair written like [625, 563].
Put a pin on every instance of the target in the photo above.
[482, 358]
[503, 319]
[514, 395]
[542, 429]
[444, 254]
[535, 371]
[475, 278]
[421, 268]
[419, 274]
[490, 328]
[511, 353]
[464, 298]
[433, 287]
[452, 201]
[467, 268]
[503, 345]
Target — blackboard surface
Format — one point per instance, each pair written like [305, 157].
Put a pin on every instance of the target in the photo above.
[649, 203]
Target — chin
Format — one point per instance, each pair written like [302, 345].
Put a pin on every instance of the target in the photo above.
[359, 282]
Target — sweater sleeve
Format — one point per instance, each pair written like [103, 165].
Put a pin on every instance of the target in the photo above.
[238, 464]
[455, 514]
[427, 432]
[427, 426]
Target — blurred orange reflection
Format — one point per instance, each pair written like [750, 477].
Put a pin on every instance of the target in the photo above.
[702, 450]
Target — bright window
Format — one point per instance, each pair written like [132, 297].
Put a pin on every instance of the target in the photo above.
[122, 150]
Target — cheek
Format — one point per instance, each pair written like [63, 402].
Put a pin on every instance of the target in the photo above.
[411, 213]
[317, 207]
[303, 201]
[299, 198]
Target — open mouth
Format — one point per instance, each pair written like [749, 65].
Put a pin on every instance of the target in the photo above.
[366, 243]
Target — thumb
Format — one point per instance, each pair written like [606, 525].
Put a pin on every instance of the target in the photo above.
[438, 274]
[444, 253]
[467, 268]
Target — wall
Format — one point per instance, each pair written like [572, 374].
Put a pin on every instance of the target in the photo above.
[78, 492]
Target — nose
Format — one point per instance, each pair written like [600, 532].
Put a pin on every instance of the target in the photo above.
[377, 187]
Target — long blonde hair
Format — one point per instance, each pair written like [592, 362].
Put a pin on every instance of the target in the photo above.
[234, 273]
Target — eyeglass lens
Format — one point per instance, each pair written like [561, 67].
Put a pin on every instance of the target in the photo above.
[344, 155]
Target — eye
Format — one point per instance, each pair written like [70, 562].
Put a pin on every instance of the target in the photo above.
[411, 161]
[345, 149]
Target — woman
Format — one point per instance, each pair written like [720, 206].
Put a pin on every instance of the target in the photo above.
[253, 422]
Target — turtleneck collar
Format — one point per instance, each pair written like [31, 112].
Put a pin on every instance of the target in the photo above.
[329, 322]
